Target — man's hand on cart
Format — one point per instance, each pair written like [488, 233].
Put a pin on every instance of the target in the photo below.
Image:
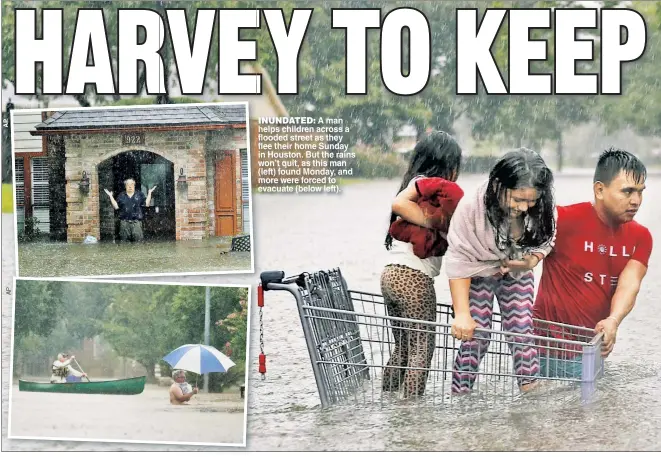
[608, 327]
[463, 327]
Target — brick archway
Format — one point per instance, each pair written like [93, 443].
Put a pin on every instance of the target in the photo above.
[148, 170]
[163, 153]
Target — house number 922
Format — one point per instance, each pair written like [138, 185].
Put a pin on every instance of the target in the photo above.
[133, 138]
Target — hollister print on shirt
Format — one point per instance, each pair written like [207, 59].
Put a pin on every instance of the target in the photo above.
[582, 272]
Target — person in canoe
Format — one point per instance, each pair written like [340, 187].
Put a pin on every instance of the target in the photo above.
[62, 370]
[180, 390]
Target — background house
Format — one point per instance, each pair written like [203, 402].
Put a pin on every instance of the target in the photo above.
[191, 153]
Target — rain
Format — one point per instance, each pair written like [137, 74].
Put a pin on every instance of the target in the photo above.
[296, 233]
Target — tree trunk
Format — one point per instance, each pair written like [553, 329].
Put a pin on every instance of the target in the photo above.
[82, 100]
[142, 80]
[164, 99]
[149, 366]
[559, 152]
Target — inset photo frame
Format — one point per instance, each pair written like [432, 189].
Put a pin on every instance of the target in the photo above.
[111, 361]
[133, 191]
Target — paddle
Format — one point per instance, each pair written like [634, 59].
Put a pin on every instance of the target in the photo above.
[81, 369]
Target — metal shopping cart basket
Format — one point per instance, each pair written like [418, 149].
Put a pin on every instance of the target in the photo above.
[350, 340]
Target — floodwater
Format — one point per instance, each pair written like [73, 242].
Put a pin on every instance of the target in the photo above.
[298, 233]
[149, 416]
[68, 259]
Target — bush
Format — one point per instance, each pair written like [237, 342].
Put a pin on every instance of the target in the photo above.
[218, 382]
[372, 163]
[31, 230]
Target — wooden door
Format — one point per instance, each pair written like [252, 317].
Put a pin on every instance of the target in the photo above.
[225, 195]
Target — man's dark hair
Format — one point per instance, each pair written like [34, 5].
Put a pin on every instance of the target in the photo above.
[612, 161]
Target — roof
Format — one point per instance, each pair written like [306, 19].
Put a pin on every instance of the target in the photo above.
[167, 115]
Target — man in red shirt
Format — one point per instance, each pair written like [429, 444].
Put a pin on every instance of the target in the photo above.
[593, 275]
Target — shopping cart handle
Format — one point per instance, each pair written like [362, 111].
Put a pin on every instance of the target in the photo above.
[268, 277]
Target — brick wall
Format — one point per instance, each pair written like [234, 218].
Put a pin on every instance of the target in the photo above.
[187, 150]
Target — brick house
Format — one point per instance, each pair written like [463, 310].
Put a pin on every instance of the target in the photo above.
[194, 154]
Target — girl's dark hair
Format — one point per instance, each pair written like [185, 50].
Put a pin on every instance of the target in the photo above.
[437, 155]
[515, 170]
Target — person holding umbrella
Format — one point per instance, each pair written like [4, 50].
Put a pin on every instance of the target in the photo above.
[180, 390]
[196, 358]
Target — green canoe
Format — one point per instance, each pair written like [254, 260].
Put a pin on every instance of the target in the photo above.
[130, 386]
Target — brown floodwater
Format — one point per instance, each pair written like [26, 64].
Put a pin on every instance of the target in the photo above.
[298, 233]
[149, 416]
[41, 259]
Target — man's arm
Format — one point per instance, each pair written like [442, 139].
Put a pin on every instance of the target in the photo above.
[149, 192]
[112, 199]
[75, 372]
[623, 301]
[628, 286]
[180, 396]
[405, 206]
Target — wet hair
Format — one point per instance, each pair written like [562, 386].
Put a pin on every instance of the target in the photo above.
[519, 169]
[437, 155]
[613, 161]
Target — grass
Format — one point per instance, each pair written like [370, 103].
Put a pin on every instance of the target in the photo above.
[7, 198]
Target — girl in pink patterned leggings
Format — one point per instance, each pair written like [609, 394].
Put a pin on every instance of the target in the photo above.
[495, 240]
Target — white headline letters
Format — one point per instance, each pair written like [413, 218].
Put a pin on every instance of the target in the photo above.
[581, 50]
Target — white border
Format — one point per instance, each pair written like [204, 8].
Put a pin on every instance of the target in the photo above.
[141, 275]
[250, 207]
[90, 280]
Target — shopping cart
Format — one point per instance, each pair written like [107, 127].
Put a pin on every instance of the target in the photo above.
[350, 340]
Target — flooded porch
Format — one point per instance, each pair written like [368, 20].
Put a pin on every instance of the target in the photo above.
[48, 259]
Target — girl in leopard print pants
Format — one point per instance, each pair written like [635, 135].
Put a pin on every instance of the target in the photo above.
[407, 281]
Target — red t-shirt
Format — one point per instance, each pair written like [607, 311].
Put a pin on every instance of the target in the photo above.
[580, 275]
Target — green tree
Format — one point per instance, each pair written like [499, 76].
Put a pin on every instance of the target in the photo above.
[85, 307]
[639, 106]
[188, 314]
[236, 324]
[528, 120]
[38, 307]
[138, 323]
[376, 116]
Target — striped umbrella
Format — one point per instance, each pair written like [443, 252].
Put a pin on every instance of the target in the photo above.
[198, 358]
